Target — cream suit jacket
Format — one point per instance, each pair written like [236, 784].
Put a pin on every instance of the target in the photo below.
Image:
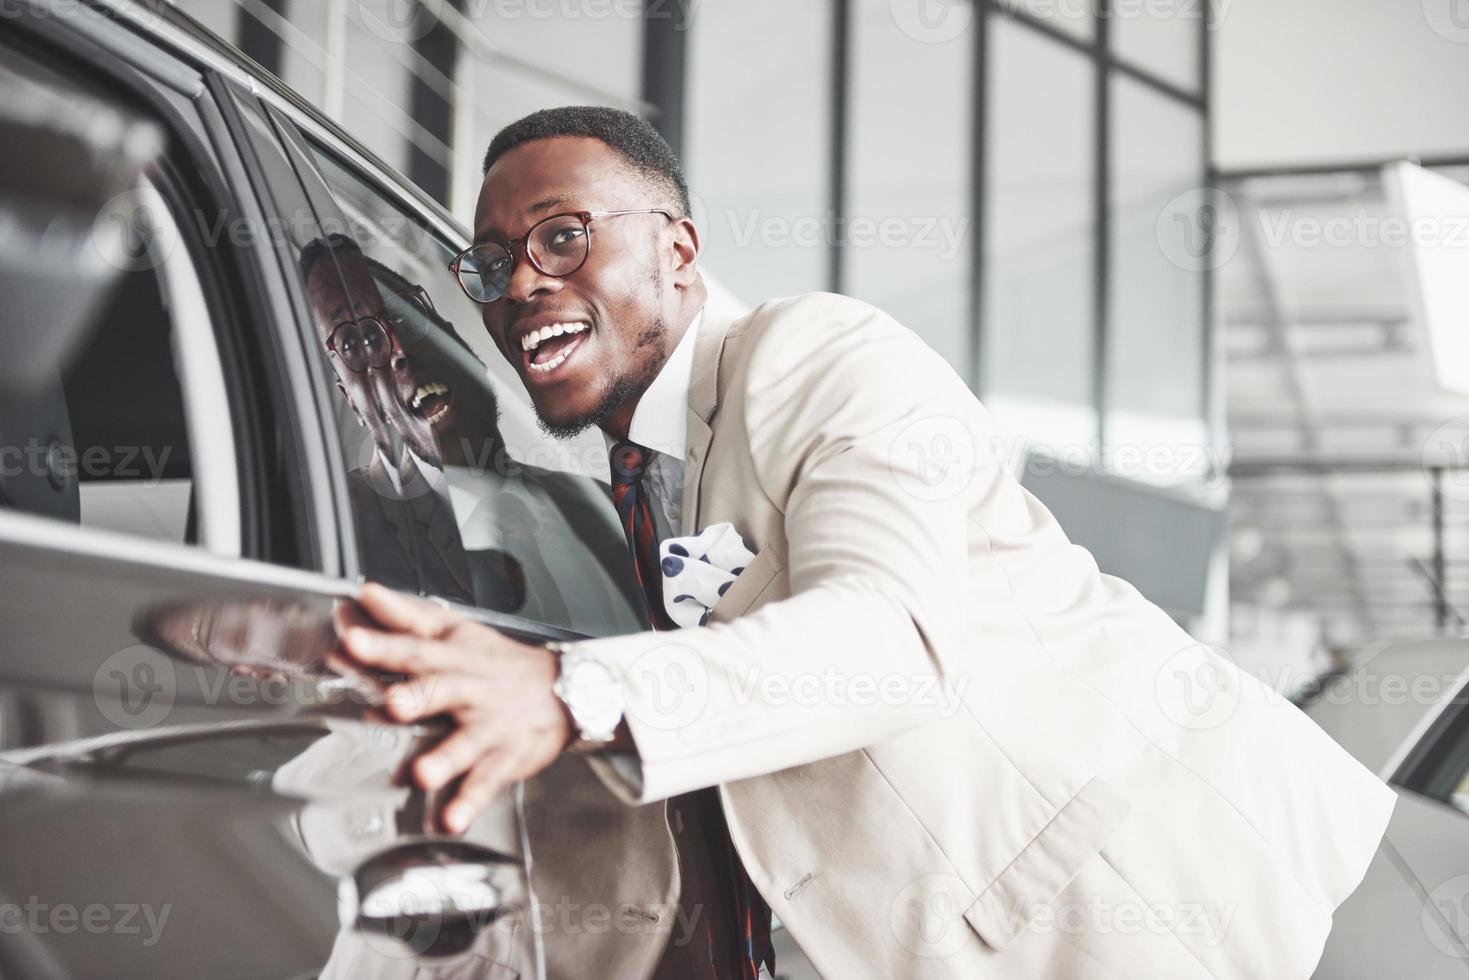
[946, 743]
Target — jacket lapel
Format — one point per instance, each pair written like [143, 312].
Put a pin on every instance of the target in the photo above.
[703, 400]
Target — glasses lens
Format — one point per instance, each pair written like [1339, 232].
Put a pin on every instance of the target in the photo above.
[484, 272]
[362, 344]
[348, 343]
[559, 244]
[376, 341]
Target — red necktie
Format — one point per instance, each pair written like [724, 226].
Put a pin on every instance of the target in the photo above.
[736, 935]
[634, 510]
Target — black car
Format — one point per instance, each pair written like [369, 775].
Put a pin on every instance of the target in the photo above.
[237, 378]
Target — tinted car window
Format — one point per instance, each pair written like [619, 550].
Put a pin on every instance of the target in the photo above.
[454, 489]
[93, 422]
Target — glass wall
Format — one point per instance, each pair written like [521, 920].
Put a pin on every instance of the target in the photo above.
[1156, 317]
[758, 149]
[909, 228]
[1040, 243]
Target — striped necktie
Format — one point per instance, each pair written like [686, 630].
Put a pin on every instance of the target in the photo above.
[736, 937]
[634, 510]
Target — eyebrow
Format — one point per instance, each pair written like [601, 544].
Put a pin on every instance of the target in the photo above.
[535, 209]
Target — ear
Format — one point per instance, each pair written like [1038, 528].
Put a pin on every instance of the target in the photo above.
[684, 254]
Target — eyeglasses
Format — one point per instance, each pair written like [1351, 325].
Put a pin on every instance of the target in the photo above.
[368, 341]
[556, 246]
[362, 343]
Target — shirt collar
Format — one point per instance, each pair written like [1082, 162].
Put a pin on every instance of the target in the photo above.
[660, 421]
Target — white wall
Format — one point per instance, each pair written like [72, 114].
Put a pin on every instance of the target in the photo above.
[1321, 81]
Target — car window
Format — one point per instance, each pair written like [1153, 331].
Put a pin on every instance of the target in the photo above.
[111, 394]
[454, 489]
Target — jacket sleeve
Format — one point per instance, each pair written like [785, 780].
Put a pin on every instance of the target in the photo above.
[874, 451]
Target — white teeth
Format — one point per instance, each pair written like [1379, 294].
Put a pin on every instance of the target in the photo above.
[534, 338]
[432, 388]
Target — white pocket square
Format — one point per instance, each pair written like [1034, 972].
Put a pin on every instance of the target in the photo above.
[698, 569]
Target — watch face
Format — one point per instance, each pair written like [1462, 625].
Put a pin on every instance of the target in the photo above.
[594, 696]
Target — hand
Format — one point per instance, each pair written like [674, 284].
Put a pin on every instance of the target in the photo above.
[509, 723]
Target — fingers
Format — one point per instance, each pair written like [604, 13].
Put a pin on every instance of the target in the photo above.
[486, 780]
[399, 652]
[429, 694]
[451, 757]
[346, 614]
[405, 614]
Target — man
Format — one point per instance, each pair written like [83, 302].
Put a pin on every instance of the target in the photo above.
[944, 744]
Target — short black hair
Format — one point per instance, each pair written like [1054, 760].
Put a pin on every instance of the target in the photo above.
[320, 248]
[632, 137]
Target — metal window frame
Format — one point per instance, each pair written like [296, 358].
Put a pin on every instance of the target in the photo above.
[1107, 67]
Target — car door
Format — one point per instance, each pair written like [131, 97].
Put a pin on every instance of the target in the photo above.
[187, 791]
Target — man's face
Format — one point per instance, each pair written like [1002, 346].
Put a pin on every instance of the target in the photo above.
[382, 398]
[623, 294]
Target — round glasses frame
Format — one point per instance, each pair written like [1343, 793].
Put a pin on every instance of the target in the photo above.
[378, 355]
[585, 217]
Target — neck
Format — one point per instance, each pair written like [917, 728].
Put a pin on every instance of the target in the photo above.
[619, 423]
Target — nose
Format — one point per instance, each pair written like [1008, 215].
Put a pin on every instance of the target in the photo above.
[527, 282]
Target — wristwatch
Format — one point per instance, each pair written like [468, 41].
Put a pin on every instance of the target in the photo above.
[592, 693]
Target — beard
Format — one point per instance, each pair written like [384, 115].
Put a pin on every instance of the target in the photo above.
[623, 388]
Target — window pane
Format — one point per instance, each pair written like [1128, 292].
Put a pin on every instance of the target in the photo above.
[1162, 37]
[1040, 226]
[93, 426]
[907, 244]
[519, 65]
[454, 488]
[1076, 17]
[1156, 325]
[758, 154]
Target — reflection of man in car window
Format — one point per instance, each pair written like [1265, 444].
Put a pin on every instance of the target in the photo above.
[400, 498]
[551, 527]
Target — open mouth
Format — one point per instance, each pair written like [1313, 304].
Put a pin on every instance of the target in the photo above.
[547, 349]
[431, 401]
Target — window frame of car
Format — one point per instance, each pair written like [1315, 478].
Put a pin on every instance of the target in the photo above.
[1435, 758]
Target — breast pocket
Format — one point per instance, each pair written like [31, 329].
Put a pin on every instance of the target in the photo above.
[750, 587]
